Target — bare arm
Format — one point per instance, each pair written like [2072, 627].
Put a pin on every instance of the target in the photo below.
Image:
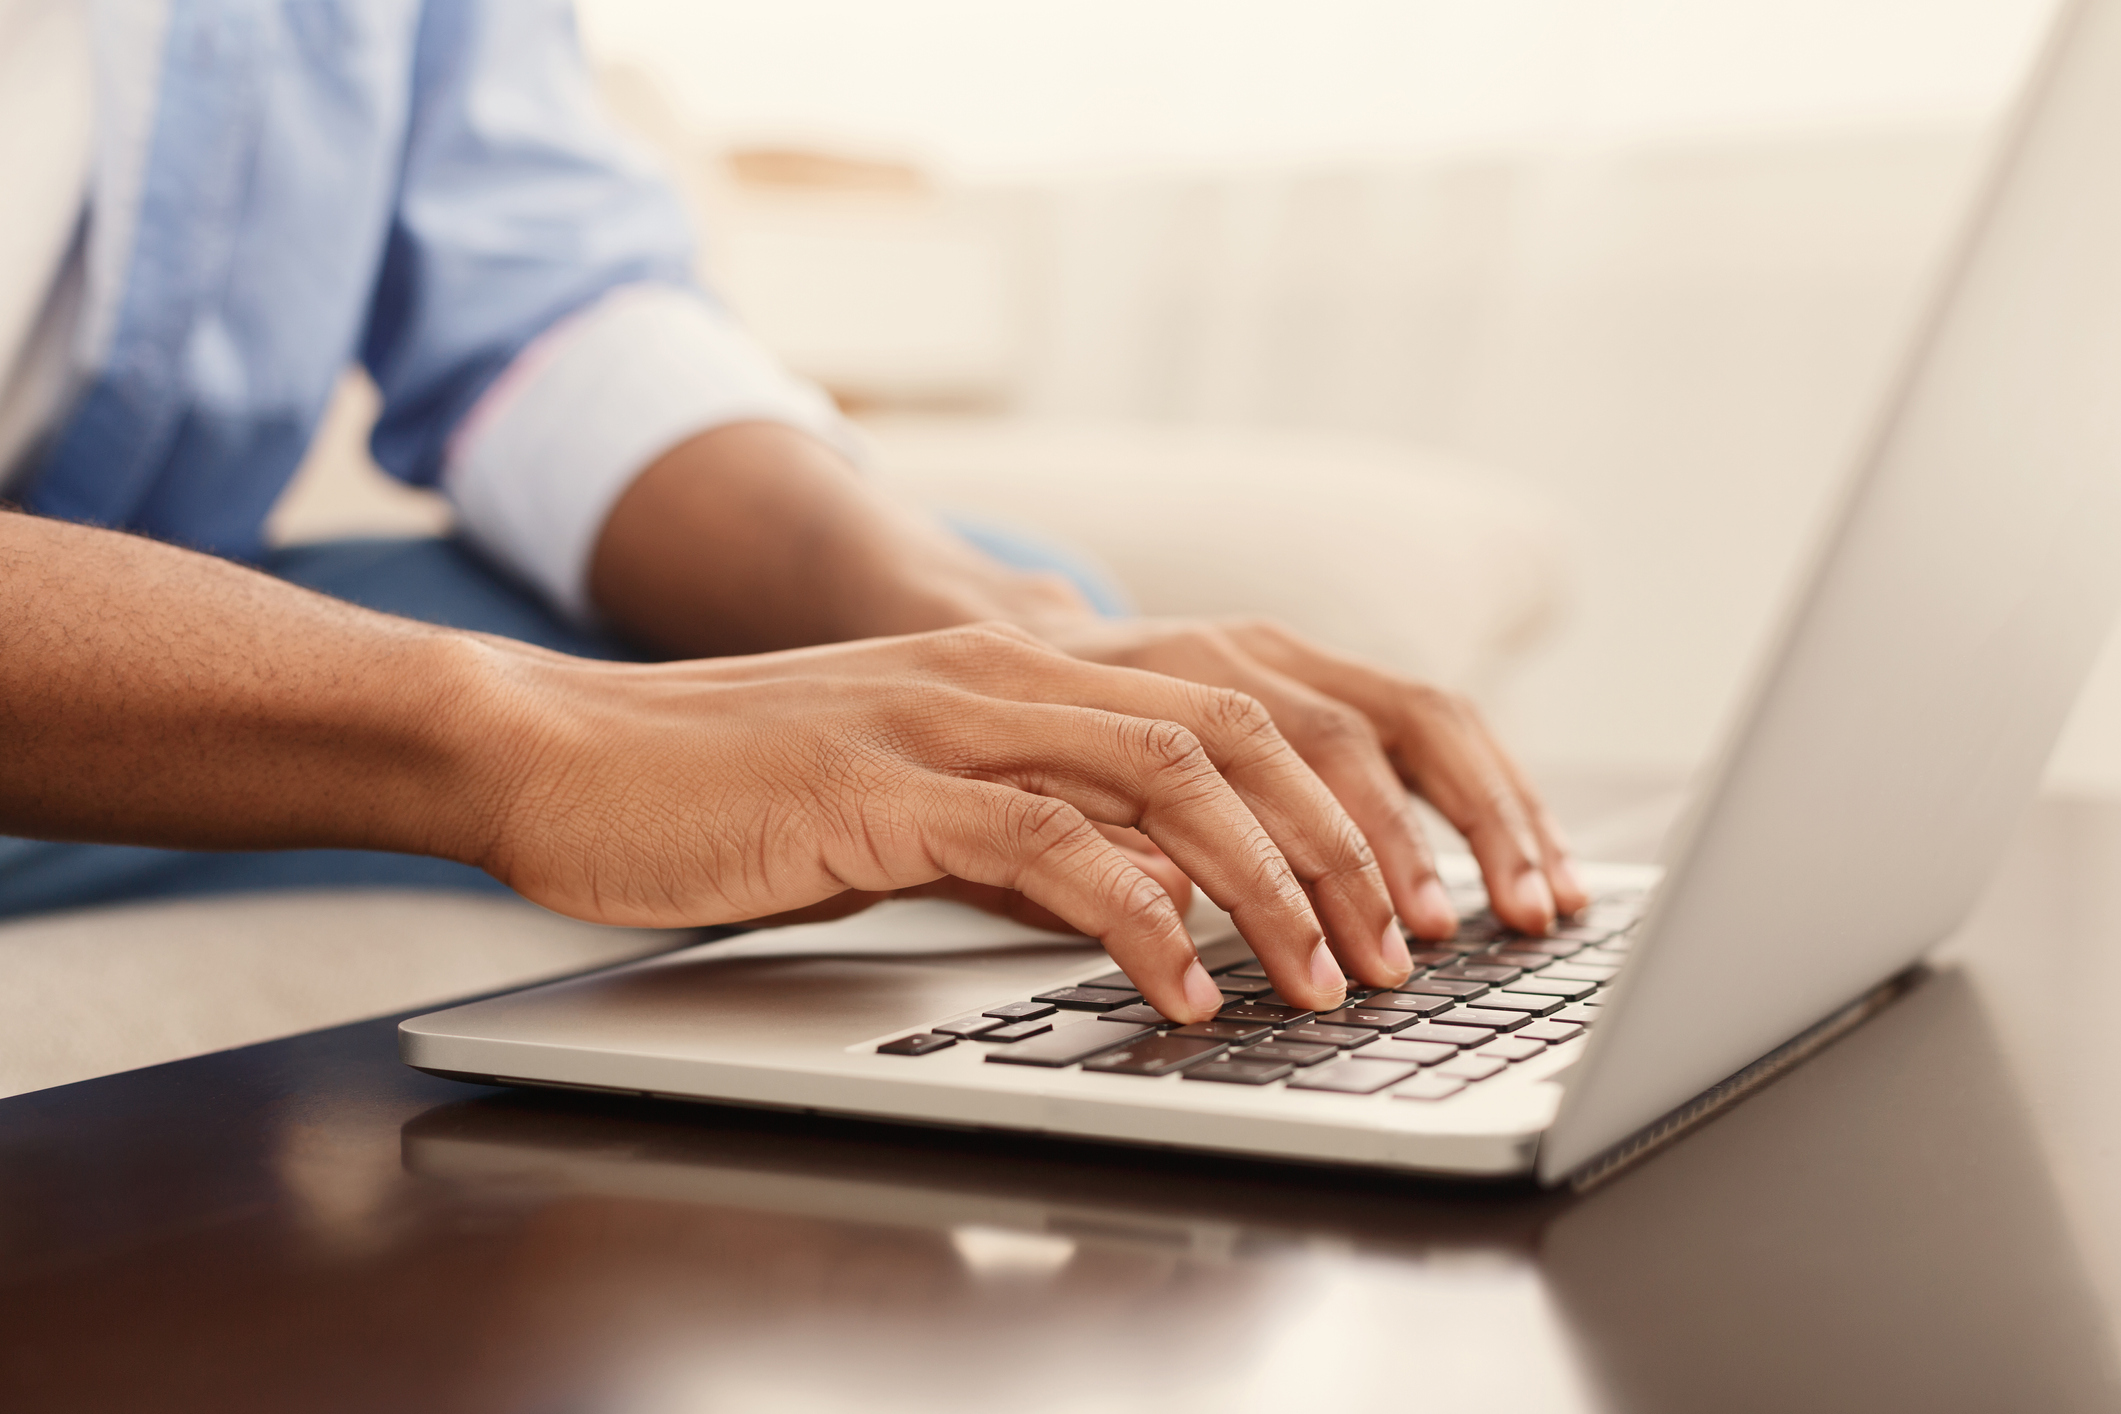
[150, 695]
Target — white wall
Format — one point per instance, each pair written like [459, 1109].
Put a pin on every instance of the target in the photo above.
[1001, 87]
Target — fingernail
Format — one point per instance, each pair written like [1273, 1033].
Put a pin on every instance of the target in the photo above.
[1326, 974]
[1202, 995]
[1392, 950]
[1433, 915]
[1533, 896]
[1573, 879]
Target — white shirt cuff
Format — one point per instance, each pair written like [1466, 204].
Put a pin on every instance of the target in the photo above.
[542, 457]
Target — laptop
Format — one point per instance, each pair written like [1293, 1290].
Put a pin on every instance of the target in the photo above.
[1896, 731]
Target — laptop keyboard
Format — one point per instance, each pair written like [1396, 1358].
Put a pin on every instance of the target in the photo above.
[1474, 1006]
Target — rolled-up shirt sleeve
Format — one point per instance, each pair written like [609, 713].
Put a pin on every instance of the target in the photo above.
[538, 463]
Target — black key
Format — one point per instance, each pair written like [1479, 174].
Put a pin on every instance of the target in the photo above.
[1013, 1031]
[1572, 931]
[1353, 1077]
[1245, 970]
[1573, 971]
[1476, 972]
[1478, 1067]
[1155, 1055]
[1546, 947]
[919, 1045]
[1020, 1011]
[1554, 986]
[1419, 1003]
[1237, 1033]
[1429, 1086]
[1582, 1014]
[1089, 998]
[1487, 1018]
[966, 1027]
[1238, 1071]
[1512, 1048]
[1417, 1052]
[1522, 961]
[1240, 988]
[1369, 1019]
[1445, 1035]
[1140, 1014]
[1069, 1043]
[1530, 1003]
[1110, 981]
[1598, 957]
[1293, 1053]
[1434, 959]
[1342, 1037]
[1553, 1032]
[1443, 987]
[1265, 1012]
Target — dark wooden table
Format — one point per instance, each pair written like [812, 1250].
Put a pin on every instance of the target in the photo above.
[1927, 1217]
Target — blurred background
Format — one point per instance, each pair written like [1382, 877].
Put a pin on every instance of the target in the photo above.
[1521, 343]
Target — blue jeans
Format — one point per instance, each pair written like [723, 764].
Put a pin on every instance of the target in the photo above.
[440, 582]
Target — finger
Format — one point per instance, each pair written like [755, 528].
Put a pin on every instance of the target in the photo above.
[1443, 749]
[1556, 859]
[1156, 776]
[1048, 851]
[1301, 817]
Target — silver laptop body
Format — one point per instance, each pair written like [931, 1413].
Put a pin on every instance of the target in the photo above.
[1899, 727]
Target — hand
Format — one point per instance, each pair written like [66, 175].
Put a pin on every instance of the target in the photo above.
[712, 791]
[1371, 737]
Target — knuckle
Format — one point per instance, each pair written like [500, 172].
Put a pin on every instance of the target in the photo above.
[1236, 716]
[1044, 824]
[1334, 727]
[1168, 746]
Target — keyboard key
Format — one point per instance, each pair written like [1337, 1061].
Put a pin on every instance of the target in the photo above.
[1089, 998]
[966, 1027]
[919, 1045]
[1512, 1048]
[1487, 1018]
[1265, 1013]
[1244, 986]
[1020, 1011]
[1554, 986]
[1419, 1052]
[1110, 981]
[1237, 1033]
[1247, 970]
[1475, 972]
[1552, 1032]
[1341, 1037]
[1443, 987]
[1155, 1055]
[1582, 1014]
[1522, 961]
[1068, 1044]
[1598, 957]
[1010, 1032]
[1238, 1071]
[1140, 1014]
[1368, 1018]
[1573, 971]
[1416, 1002]
[1429, 1086]
[1353, 1077]
[1530, 1003]
[1445, 1035]
[1435, 959]
[1293, 1053]
[1545, 947]
[1473, 1067]
[1585, 932]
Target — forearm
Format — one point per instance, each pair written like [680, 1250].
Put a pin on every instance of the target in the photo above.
[754, 537]
[149, 695]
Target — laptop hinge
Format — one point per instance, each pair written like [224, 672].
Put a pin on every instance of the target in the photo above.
[1725, 1093]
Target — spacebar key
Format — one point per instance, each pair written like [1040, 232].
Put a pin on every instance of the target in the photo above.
[1065, 1045]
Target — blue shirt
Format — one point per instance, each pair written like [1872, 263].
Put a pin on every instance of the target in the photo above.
[428, 188]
